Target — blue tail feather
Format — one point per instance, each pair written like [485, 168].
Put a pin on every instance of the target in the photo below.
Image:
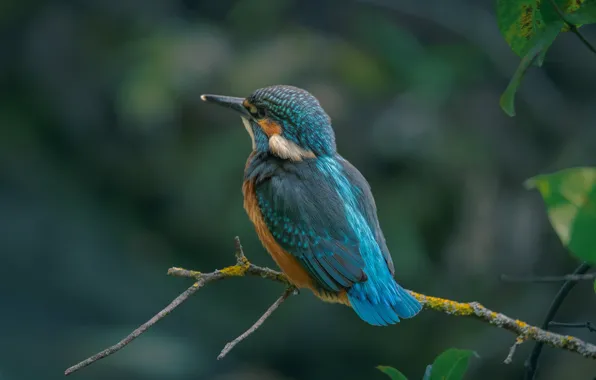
[382, 309]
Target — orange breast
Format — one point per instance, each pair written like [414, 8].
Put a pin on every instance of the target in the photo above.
[286, 262]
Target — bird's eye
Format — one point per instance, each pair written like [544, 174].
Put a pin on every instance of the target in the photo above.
[261, 112]
[257, 112]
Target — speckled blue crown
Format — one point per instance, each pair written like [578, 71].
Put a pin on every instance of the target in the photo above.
[300, 114]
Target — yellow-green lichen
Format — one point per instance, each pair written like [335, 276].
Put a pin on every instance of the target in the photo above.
[184, 272]
[441, 304]
[520, 339]
[568, 341]
[531, 331]
[234, 270]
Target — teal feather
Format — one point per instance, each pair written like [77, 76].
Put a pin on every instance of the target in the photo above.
[379, 300]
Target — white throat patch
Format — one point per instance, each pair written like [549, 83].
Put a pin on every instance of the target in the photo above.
[280, 146]
[249, 130]
[286, 149]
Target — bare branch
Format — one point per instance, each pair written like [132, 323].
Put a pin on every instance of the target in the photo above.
[532, 362]
[539, 279]
[581, 325]
[141, 329]
[520, 339]
[519, 328]
[239, 250]
[244, 268]
[289, 291]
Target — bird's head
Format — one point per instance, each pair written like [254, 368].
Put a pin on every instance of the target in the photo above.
[283, 120]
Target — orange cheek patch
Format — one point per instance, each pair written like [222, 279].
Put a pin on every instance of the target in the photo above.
[270, 127]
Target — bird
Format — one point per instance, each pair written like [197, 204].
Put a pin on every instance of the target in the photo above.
[312, 210]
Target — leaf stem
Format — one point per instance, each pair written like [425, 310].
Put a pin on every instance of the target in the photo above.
[573, 27]
[582, 38]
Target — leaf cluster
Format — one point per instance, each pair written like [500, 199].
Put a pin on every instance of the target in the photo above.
[531, 26]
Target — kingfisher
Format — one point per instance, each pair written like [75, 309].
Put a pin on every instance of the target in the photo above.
[313, 211]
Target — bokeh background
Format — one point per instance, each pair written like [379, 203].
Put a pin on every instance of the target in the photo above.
[112, 171]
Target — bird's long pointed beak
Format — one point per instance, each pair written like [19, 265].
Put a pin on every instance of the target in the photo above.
[228, 102]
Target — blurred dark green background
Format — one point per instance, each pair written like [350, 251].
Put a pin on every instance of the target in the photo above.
[113, 171]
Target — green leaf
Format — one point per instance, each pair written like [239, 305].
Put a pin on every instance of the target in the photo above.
[568, 8]
[585, 14]
[570, 198]
[520, 22]
[392, 372]
[594, 286]
[550, 14]
[451, 364]
[546, 38]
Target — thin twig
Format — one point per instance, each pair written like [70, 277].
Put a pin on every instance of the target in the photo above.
[141, 329]
[580, 325]
[239, 251]
[244, 268]
[532, 362]
[518, 341]
[541, 279]
[583, 39]
[573, 27]
[229, 346]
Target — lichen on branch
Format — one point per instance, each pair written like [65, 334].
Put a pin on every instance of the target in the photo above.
[244, 267]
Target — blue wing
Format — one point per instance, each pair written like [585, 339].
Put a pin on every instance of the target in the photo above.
[380, 300]
[306, 216]
[366, 205]
[322, 212]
